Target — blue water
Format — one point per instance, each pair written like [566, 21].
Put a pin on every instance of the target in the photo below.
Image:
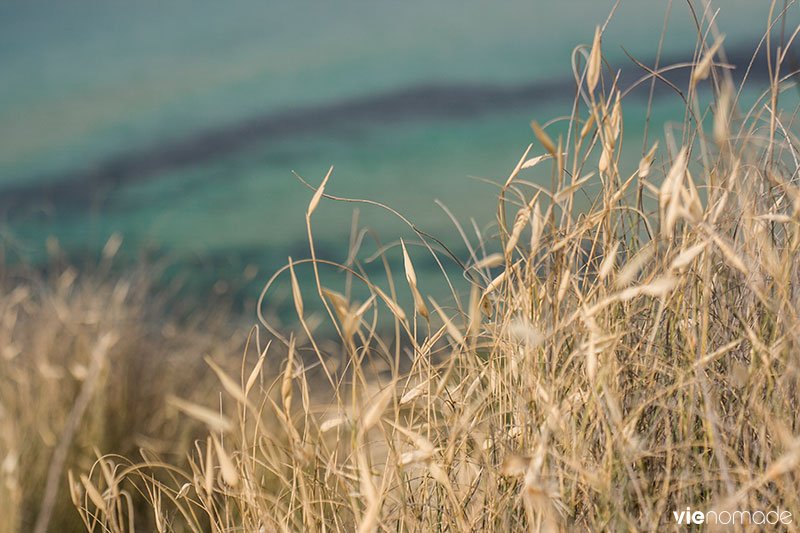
[233, 96]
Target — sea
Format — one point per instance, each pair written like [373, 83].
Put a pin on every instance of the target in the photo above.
[184, 126]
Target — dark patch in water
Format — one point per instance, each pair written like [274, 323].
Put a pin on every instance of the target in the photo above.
[89, 187]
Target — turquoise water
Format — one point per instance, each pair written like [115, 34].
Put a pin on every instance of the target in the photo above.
[191, 115]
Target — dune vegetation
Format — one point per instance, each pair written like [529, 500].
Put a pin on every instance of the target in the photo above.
[87, 364]
[630, 347]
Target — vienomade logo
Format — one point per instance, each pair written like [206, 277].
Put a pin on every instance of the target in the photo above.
[731, 518]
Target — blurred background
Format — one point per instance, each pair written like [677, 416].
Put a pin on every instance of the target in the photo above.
[178, 124]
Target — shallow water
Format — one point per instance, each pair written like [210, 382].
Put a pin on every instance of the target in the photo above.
[178, 124]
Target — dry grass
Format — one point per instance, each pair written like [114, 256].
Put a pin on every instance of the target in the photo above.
[86, 367]
[610, 365]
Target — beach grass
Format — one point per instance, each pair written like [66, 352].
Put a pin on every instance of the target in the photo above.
[88, 363]
[629, 348]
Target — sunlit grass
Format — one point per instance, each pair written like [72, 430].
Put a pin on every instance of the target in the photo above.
[610, 364]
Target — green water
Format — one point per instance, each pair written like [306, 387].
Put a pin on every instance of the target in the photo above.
[85, 84]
